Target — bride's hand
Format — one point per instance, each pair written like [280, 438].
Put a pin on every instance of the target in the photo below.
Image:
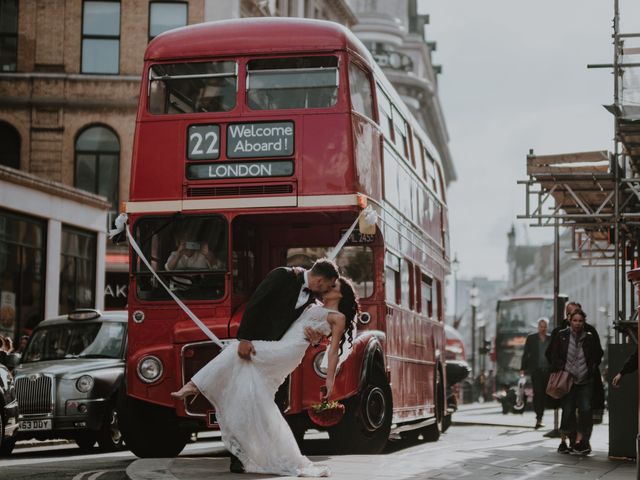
[313, 336]
[328, 388]
[245, 349]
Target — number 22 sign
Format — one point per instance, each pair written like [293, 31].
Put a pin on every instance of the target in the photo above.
[204, 142]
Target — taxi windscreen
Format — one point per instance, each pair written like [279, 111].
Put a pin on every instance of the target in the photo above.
[76, 340]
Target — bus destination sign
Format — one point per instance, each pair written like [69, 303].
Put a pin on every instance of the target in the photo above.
[280, 168]
[273, 139]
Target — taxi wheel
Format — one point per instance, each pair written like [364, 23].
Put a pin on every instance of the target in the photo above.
[366, 423]
[6, 444]
[110, 437]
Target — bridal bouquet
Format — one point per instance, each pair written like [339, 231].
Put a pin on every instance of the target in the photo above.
[326, 414]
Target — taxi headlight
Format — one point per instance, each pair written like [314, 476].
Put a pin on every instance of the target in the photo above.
[149, 369]
[84, 384]
[317, 365]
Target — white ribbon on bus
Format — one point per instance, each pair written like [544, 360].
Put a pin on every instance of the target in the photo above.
[368, 215]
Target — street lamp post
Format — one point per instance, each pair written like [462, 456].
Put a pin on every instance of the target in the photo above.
[474, 301]
[455, 266]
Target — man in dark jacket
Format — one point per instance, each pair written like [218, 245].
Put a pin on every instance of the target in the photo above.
[277, 302]
[631, 365]
[535, 364]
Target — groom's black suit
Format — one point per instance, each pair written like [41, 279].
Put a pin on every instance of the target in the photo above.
[272, 307]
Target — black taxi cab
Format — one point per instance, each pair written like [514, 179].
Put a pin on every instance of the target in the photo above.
[70, 377]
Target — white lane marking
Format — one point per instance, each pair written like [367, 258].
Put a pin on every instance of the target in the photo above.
[91, 474]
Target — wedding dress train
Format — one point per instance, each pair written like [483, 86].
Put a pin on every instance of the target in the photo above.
[243, 391]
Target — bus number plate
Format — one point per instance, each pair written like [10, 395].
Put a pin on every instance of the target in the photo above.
[358, 238]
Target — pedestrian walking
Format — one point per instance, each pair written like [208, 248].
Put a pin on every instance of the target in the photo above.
[577, 351]
[535, 364]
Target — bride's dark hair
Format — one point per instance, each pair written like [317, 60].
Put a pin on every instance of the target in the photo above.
[349, 307]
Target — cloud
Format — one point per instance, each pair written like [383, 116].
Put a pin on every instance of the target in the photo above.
[515, 77]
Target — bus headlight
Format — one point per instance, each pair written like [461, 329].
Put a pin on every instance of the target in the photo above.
[149, 369]
[317, 365]
[84, 384]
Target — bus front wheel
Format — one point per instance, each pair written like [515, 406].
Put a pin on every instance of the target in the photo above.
[151, 431]
[366, 423]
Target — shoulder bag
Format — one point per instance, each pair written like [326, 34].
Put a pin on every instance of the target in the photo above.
[559, 384]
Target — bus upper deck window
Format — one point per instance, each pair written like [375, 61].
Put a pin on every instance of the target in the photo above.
[192, 87]
[302, 82]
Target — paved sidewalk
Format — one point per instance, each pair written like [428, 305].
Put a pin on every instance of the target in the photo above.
[481, 444]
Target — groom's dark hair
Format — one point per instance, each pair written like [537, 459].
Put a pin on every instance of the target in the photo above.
[325, 268]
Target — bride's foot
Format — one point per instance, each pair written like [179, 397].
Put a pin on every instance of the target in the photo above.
[189, 389]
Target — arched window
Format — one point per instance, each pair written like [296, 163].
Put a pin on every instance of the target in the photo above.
[10, 141]
[98, 163]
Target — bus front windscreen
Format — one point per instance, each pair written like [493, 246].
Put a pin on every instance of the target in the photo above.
[299, 82]
[355, 261]
[193, 87]
[521, 316]
[516, 319]
[189, 253]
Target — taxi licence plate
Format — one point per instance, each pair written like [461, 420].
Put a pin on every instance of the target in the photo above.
[32, 425]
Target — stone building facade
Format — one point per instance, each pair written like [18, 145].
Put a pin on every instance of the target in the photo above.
[70, 80]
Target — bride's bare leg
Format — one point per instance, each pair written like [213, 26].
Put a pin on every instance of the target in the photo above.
[189, 389]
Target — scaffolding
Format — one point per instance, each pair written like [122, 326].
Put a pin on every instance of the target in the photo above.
[597, 194]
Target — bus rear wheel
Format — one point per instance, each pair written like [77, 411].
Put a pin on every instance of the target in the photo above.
[432, 432]
[151, 431]
[366, 423]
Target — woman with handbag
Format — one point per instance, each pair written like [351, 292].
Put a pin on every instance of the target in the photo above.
[578, 352]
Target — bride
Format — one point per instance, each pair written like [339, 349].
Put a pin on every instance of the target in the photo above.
[242, 391]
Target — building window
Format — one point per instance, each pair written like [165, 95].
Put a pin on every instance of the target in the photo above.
[77, 270]
[10, 141]
[8, 35]
[98, 163]
[101, 37]
[22, 273]
[165, 16]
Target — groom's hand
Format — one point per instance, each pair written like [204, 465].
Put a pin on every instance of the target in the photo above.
[313, 336]
[246, 350]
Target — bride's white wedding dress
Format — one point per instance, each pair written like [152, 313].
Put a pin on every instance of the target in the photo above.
[243, 392]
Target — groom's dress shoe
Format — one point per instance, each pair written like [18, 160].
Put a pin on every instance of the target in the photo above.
[236, 465]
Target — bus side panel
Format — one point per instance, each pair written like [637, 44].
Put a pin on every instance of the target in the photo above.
[157, 143]
[326, 166]
[394, 355]
[367, 155]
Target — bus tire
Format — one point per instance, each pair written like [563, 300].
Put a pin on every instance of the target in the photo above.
[446, 423]
[432, 432]
[150, 431]
[86, 441]
[110, 436]
[366, 424]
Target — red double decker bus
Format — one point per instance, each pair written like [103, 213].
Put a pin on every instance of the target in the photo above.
[257, 144]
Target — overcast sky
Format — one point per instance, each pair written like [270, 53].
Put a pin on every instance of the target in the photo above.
[515, 77]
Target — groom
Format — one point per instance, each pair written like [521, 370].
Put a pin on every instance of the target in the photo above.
[277, 302]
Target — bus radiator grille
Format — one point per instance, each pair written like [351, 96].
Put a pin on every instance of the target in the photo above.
[240, 190]
[194, 357]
